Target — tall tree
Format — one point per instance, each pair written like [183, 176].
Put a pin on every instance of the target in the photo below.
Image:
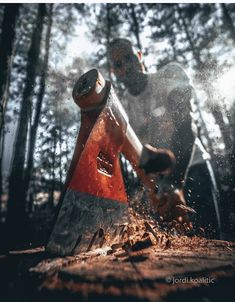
[6, 53]
[16, 212]
[6, 49]
[39, 100]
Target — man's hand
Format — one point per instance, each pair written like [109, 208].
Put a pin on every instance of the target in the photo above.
[172, 208]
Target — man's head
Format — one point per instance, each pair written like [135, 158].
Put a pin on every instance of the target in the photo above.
[126, 62]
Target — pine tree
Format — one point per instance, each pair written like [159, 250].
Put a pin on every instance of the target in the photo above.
[7, 38]
[6, 52]
[16, 210]
[42, 82]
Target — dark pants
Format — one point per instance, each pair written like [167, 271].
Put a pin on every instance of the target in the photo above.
[201, 194]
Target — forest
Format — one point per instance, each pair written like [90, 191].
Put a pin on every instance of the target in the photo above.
[43, 51]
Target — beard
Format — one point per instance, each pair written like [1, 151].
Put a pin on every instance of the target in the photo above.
[135, 82]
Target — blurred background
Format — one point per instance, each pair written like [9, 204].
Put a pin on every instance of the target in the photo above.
[45, 48]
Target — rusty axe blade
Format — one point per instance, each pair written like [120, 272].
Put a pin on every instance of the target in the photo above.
[86, 222]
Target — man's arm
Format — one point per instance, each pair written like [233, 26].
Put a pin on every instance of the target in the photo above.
[178, 104]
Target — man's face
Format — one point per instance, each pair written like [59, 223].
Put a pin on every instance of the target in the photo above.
[126, 65]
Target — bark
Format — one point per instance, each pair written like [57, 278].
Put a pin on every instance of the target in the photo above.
[16, 214]
[6, 51]
[6, 54]
[34, 127]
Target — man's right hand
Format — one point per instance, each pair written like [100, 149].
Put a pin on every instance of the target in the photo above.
[172, 208]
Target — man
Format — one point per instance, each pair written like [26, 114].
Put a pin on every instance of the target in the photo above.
[159, 108]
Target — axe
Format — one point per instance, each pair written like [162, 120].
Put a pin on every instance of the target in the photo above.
[94, 206]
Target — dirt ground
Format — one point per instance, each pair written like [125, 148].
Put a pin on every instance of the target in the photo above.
[152, 266]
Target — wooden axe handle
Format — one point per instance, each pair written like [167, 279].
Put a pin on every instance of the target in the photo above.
[140, 157]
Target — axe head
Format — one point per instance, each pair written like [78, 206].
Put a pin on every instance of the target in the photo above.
[94, 209]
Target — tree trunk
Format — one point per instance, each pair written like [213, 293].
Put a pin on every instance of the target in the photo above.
[6, 54]
[2, 147]
[60, 155]
[34, 127]
[51, 195]
[6, 49]
[16, 214]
